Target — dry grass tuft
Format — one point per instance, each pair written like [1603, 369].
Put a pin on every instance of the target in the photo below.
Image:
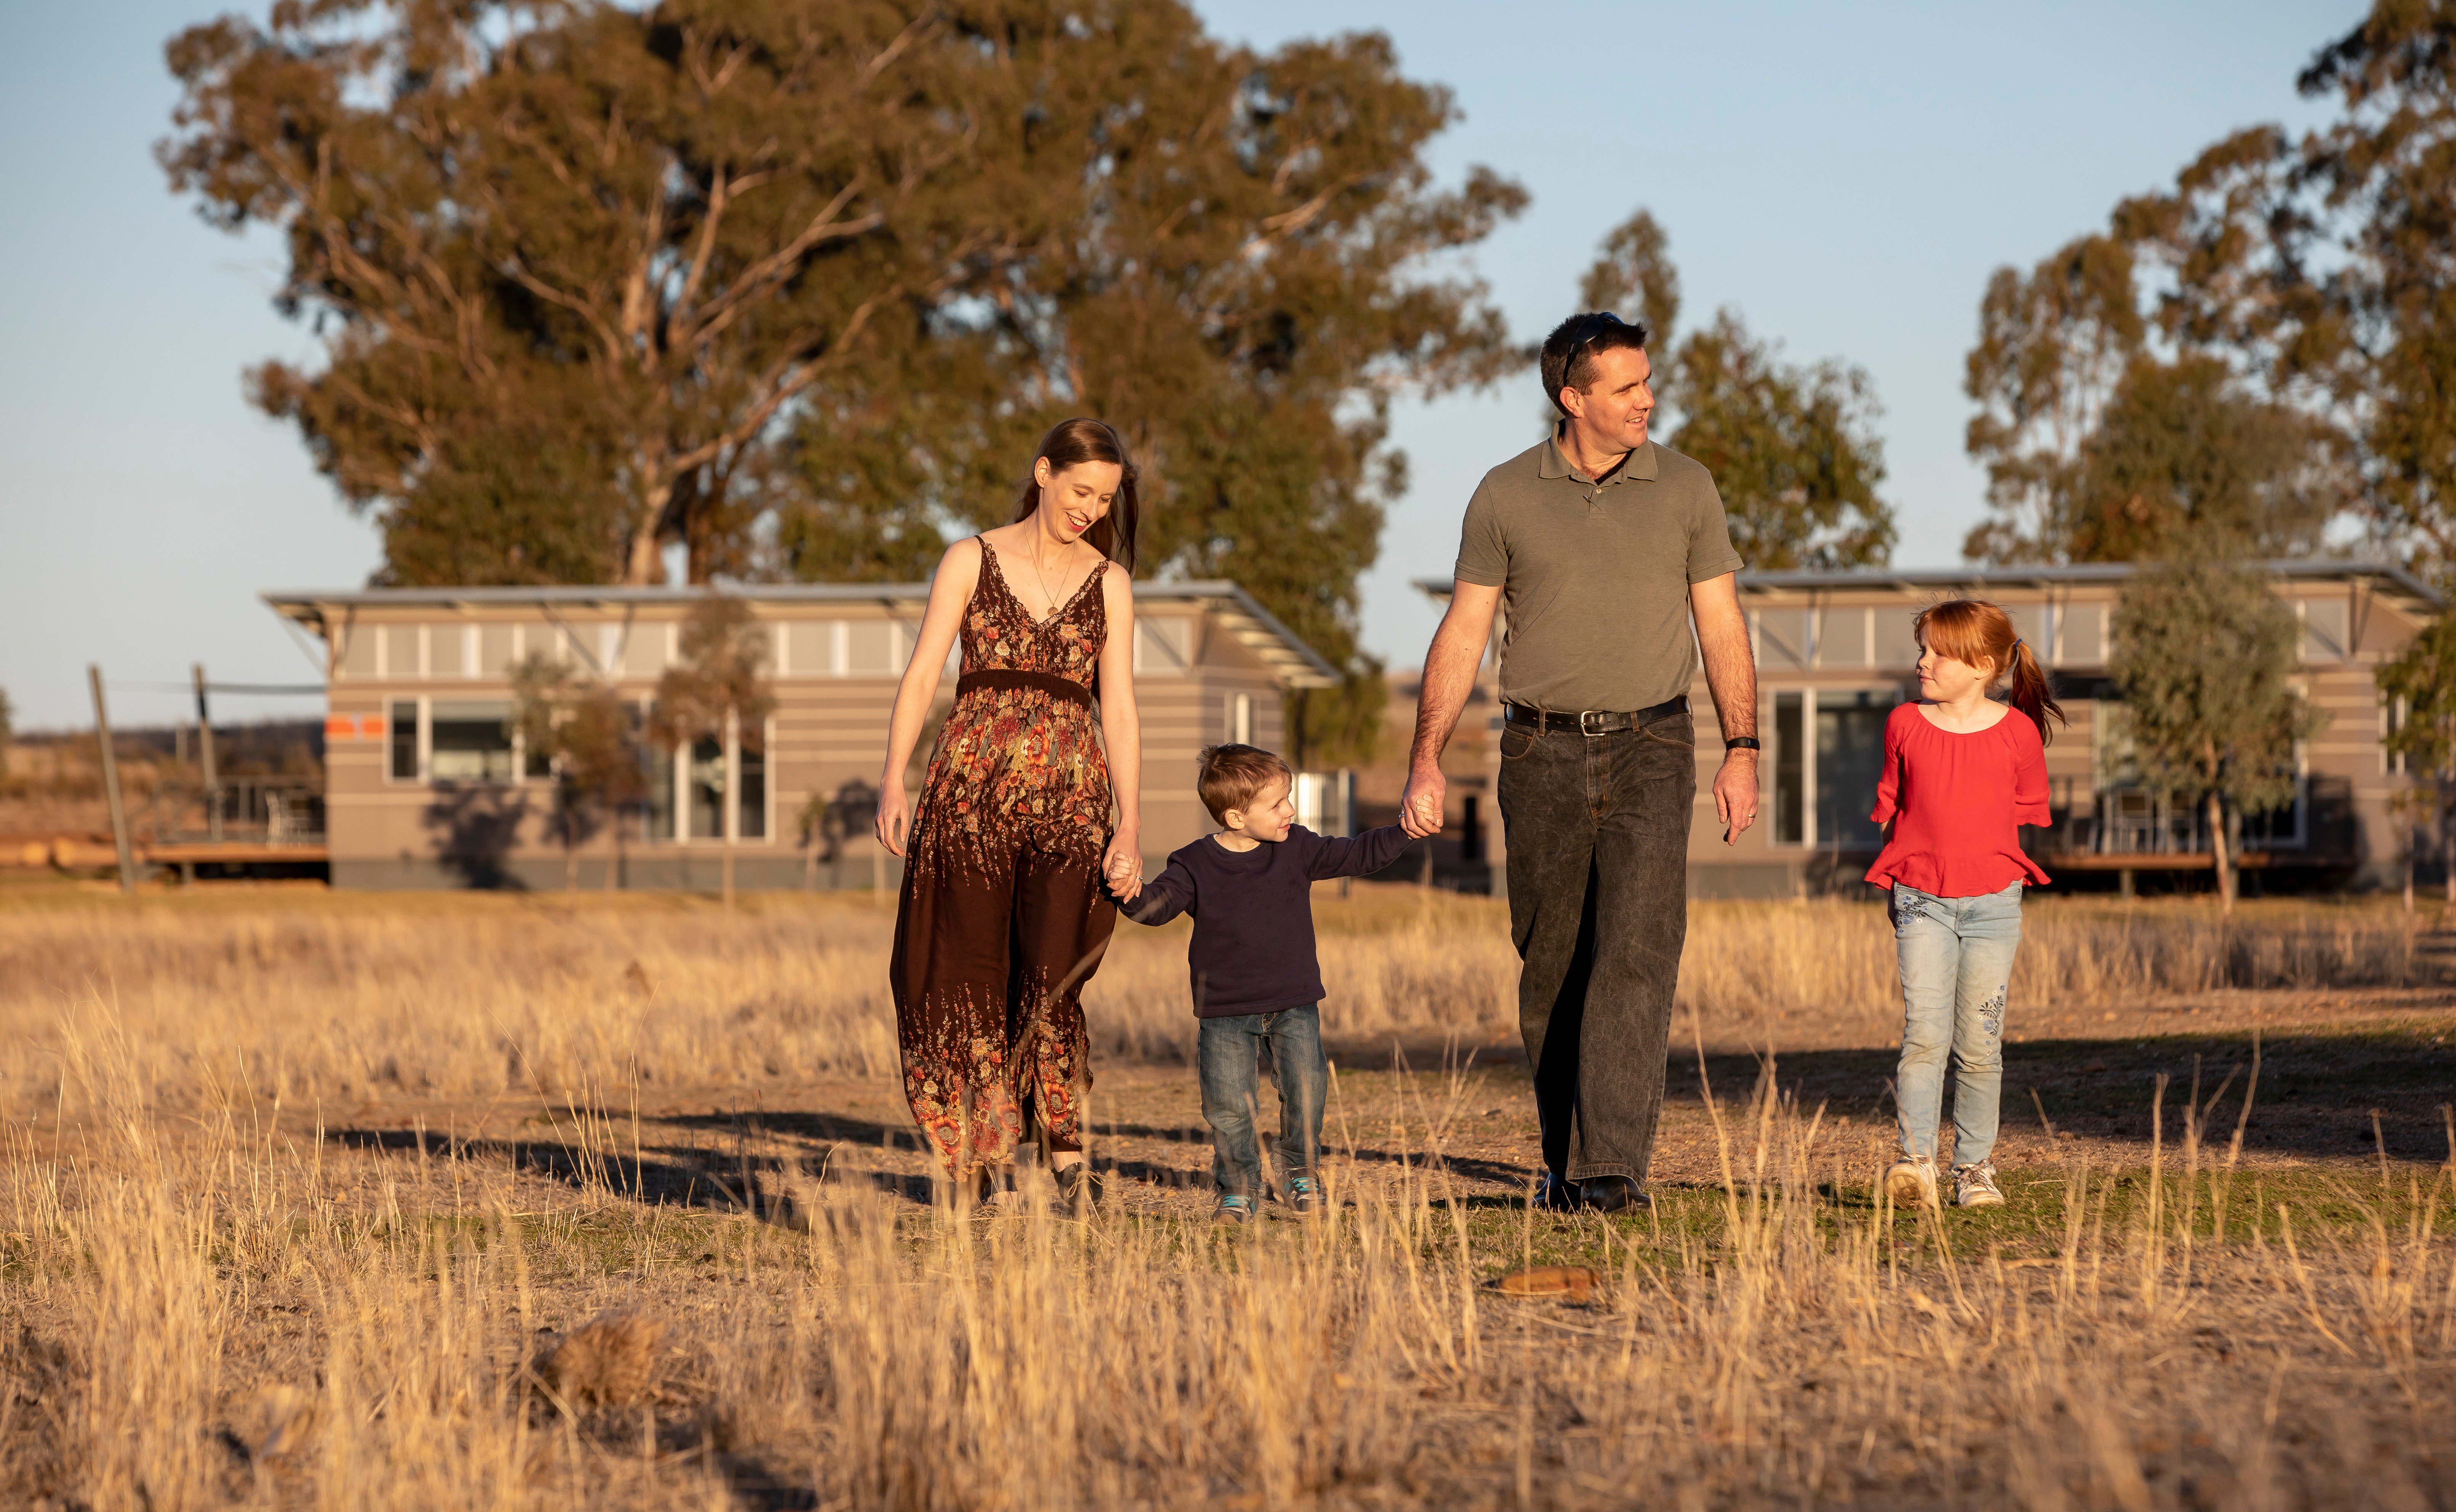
[612, 1361]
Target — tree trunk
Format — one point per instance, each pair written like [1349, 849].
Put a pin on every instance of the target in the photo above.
[643, 568]
[2218, 852]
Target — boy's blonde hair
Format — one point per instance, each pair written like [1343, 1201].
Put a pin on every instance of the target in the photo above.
[1231, 776]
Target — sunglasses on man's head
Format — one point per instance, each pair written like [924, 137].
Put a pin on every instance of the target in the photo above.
[1589, 327]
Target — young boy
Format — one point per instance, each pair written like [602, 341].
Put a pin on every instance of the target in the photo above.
[1250, 889]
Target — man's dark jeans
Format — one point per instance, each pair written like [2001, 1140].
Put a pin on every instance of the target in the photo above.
[1598, 832]
[1228, 1053]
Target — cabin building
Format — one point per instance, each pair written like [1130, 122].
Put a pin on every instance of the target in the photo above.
[427, 785]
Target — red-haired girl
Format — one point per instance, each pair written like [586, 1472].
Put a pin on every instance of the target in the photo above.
[1962, 772]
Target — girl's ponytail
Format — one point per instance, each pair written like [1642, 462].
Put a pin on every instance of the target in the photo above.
[1971, 631]
[2030, 694]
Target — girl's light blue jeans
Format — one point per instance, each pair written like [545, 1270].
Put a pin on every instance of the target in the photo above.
[1957, 960]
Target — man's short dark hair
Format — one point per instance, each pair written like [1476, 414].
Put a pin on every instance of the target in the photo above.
[1593, 332]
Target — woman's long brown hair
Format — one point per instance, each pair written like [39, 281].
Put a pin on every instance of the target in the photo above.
[1089, 441]
[1971, 631]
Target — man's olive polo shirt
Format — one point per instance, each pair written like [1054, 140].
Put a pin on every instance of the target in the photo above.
[1594, 576]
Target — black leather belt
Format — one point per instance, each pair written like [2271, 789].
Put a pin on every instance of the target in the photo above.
[1591, 721]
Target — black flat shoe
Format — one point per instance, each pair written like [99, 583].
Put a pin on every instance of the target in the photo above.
[1557, 1194]
[1614, 1194]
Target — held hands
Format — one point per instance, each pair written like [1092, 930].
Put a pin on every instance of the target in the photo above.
[1420, 807]
[1122, 864]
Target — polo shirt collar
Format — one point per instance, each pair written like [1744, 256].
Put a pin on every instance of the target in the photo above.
[1640, 464]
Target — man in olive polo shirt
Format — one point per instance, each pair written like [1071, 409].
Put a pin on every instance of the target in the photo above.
[1604, 544]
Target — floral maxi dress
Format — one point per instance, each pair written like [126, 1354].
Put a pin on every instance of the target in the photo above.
[1002, 916]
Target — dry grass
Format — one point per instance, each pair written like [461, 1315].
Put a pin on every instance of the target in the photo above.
[298, 996]
[203, 1303]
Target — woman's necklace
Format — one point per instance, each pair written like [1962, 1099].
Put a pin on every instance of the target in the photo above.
[1046, 592]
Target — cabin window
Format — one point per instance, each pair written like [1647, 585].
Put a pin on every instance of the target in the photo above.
[1897, 641]
[400, 655]
[469, 741]
[750, 790]
[810, 648]
[449, 652]
[1829, 754]
[704, 789]
[2083, 639]
[1162, 646]
[645, 649]
[403, 765]
[2324, 630]
[494, 651]
[1783, 639]
[358, 651]
[870, 649]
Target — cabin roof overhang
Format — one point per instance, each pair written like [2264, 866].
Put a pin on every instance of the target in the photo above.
[1292, 660]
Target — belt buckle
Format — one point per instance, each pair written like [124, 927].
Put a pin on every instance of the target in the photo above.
[1590, 723]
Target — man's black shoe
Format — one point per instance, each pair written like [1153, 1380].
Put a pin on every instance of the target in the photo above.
[1557, 1194]
[1613, 1193]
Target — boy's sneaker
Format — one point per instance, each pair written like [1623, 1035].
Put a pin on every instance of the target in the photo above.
[1911, 1183]
[1974, 1187]
[1304, 1195]
[1233, 1208]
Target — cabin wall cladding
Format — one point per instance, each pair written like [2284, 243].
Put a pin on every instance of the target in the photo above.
[428, 785]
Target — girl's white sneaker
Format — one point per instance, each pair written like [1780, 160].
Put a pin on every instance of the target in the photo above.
[1912, 1183]
[1974, 1187]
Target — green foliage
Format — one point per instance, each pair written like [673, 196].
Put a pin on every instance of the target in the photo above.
[2098, 449]
[2179, 453]
[724, 652]
[796, 286]
[1633, 276]
[1794, 450]
[2319, 270]
[1223, 253]
[2204, 653]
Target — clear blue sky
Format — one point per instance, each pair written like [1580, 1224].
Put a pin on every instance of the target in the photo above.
[1847, 176]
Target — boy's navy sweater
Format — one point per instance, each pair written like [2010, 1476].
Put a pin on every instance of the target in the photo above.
[1253, 913]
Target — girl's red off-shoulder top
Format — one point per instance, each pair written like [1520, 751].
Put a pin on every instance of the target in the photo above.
[1956, 802]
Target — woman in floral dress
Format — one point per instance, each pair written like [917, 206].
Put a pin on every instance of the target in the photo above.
[1003, 916]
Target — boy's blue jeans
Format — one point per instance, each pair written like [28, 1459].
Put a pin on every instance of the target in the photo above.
[1228, 1053]
[1956, 961]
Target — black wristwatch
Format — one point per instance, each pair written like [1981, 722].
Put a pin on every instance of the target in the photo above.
[1742, 743]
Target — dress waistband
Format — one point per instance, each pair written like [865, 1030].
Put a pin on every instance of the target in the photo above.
[1049, 683]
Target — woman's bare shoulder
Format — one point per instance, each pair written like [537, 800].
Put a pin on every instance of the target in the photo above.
[959, 566]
